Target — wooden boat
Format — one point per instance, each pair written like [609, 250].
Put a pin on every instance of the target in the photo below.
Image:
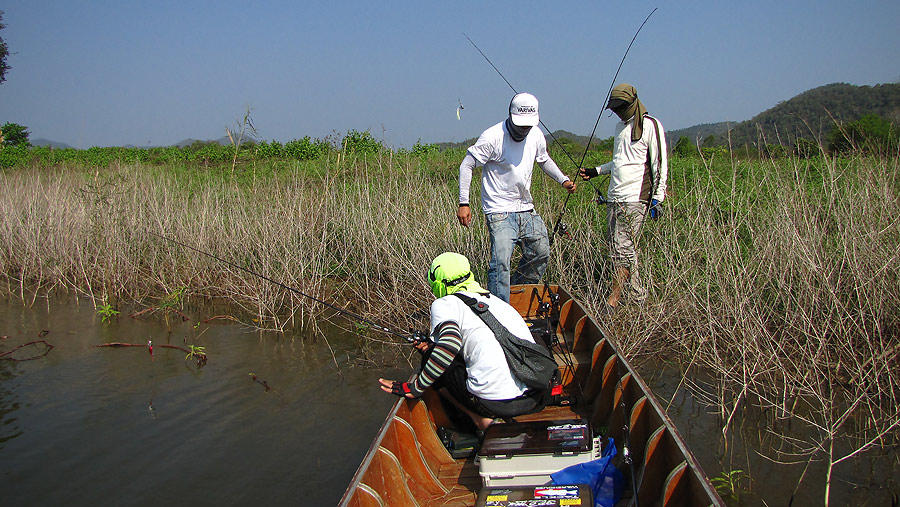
[407, 464]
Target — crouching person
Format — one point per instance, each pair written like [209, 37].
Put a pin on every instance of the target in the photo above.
[464, 362]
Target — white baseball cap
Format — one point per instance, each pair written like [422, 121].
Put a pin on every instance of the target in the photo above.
[523, 110]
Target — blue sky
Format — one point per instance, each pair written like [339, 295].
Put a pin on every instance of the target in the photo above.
[116, 72]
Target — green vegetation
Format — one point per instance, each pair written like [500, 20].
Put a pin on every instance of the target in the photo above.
[809, 116]
[195, 351]
[13, 134]
[871, 133]
[729, 483]
[106, 312]
[777, 275]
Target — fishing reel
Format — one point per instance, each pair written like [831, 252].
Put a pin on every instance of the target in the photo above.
[417, 337]
[600, 198]
[563, 231]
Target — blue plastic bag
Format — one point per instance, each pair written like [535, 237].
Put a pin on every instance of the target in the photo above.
[605, 480]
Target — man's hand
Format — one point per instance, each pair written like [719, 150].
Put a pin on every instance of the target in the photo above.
[656, 209]
[397, 388]
[464, 215]
[569, 185]
[587, 173]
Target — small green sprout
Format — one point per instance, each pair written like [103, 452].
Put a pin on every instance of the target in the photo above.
[106, 312]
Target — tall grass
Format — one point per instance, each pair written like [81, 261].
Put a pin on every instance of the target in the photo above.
[779, 278]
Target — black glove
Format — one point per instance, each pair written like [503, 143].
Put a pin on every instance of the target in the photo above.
[401, 389]
[588, 172]
[656, 209]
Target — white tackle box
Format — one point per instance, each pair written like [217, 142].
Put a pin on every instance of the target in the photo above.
[525, 454]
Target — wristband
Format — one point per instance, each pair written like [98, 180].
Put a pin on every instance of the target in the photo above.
[464, 204]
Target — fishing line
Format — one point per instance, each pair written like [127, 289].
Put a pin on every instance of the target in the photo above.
[511, 87]
[600, 199]
[565, 352]
[348, 313]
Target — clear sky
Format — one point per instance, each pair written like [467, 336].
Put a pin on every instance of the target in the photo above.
[118, 72]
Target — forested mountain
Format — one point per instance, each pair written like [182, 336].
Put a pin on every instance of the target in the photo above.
[810, 115]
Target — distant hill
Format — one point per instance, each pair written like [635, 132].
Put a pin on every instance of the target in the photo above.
[701, 132]
[47, 142]
[559, 134]
[813, 113]
[810, 115]
[224, 141]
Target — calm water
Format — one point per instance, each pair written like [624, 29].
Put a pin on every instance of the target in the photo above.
[870, 479]
[98, 426]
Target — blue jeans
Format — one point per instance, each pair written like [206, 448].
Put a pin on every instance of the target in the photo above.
[526, 229]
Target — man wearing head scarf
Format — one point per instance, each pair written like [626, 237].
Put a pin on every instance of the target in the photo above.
[463, 360]
[507, 152]
[637, 187]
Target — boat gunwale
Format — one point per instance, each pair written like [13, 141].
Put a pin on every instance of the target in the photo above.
[642, 387]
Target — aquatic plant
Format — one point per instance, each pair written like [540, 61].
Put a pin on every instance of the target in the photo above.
[195, 350]
[729, 483]
[106, 312]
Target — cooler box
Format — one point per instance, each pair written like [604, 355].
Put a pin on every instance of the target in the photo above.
[549, 496]
[525, 454]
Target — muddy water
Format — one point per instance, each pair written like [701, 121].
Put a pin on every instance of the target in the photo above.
[870, 479]
[99, 426]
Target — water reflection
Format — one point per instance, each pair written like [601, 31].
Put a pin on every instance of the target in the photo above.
[89, 426]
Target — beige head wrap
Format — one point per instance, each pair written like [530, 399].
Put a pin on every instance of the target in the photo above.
[635, 108]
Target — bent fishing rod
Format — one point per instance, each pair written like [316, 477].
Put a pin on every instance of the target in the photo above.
[513, 88]
[409, 337]
[600, 198]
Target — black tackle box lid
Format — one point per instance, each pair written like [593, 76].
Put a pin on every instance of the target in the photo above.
[549, 496]
[562, 436]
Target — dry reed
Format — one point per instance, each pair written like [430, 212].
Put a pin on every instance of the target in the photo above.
[779, 279]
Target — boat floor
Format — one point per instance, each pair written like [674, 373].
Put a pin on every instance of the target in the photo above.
[462, 477]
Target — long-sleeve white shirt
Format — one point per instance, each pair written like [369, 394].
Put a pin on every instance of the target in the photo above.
[507, 169]
[488, 372]
[629, 180]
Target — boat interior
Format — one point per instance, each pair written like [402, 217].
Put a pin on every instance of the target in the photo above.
[409, 465]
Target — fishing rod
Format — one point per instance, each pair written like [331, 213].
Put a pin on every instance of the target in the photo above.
[412, 337]
[600, 198]
[565, 353]
[513, 88]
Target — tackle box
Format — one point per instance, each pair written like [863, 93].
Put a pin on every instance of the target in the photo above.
[547, 496]
[525, 454]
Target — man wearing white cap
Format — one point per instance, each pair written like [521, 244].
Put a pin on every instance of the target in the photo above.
[507, 152]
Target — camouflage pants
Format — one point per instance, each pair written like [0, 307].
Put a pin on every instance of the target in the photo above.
[624, 221]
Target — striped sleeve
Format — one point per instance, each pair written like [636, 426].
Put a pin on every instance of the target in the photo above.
[446, 346]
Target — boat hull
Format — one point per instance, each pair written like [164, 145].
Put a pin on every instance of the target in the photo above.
[408, 465]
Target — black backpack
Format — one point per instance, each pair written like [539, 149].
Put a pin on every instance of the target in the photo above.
[532, 363]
